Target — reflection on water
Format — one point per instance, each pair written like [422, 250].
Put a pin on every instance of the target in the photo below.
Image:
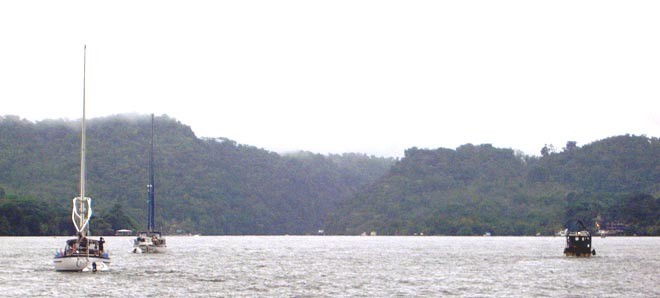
[341, 266]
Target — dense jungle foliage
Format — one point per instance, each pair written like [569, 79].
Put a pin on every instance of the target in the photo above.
[216, 186]
[209, 186]
[478, 189]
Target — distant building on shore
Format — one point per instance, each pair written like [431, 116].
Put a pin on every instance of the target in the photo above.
[124, 233]
[612, 229]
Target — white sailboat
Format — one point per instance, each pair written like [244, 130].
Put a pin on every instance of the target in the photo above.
[82, 253]
[150, 241]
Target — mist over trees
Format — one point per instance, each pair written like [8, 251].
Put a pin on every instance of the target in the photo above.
[209, 186]
[219, 187]
[478, 189]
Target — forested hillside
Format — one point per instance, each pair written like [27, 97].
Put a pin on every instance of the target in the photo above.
[478, 189]
[209, 186]
[217, 186]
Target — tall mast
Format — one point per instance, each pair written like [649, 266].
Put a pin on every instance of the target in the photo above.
[151, 179]
[82, 206]
[82, 143]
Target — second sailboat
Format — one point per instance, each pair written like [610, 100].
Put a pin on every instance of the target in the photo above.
[150, 241]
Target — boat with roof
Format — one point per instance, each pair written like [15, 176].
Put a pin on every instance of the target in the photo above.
[578, 241]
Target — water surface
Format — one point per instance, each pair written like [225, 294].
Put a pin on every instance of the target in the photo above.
[318, 266]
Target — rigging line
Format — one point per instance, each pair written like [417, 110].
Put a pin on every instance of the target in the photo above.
[82, 143]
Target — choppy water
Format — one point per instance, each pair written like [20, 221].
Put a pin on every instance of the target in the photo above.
[313, 266]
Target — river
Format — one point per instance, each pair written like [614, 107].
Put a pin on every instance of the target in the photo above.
[338, 266]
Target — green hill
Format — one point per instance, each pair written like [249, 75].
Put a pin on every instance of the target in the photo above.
[217, 186]
[209, 186]
[478, 189]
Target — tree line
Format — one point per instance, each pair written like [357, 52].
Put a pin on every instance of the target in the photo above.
[220, 187]
[477, 189]
[202, 185]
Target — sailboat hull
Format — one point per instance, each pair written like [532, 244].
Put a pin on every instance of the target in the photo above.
[81, 263]
[149, 242]
[149, 249]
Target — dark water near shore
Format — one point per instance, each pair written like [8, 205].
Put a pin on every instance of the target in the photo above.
[312, 266]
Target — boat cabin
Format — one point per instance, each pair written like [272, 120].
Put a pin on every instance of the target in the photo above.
[84, 247]
[578, 243]
[149, 242]
[154, 238]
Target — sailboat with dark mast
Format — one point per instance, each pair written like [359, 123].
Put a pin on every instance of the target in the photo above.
[151, 241]
[82, 253]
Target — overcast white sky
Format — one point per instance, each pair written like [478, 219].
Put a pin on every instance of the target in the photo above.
[344, 76]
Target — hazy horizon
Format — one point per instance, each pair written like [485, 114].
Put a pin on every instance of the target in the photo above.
[374, 77]
[137, 116]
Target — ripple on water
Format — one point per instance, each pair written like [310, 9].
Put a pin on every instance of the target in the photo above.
[341, 266]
